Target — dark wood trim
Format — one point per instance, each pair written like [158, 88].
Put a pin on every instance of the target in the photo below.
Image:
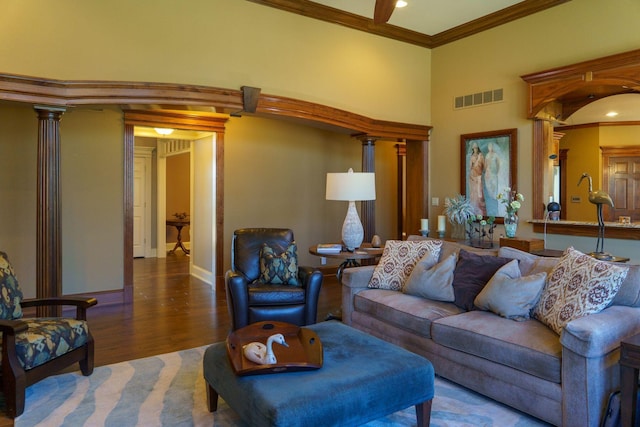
[537, 197]
[401, 152]
[127, 191]
[368, 207]
[335, 16]
[179, 119]
[219, 270]
[169, 96]
[340, 120]
[417, 184]
[517, 11]
[48, 243]
[357, 22]
[569, 85]
[563, 159]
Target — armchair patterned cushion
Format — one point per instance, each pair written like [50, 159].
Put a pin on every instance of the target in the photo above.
[253, 297]
[34, 348]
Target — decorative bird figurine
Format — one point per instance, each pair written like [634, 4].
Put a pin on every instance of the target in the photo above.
[598, 198]
[263, 354]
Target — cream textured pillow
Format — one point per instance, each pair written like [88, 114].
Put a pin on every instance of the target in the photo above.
[577, 286]
[435, 283]
[398, 259]
[510, 294]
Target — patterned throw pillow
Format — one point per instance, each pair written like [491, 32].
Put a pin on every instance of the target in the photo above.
[10, 293]
[398, 259]
[281, 268]
[578, 285]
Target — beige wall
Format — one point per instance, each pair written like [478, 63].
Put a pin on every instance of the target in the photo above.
[91, 193]
[275, 175]
[178, 193]
[18, 153]
[219, 43]
[575, 31]
[583, 156]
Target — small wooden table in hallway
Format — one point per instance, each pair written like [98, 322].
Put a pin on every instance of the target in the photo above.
[178, 224]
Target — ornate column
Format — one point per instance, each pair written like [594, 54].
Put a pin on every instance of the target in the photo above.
[368, 207]
[48, 247]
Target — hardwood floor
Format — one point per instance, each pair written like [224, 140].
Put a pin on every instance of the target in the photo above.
[171, 311]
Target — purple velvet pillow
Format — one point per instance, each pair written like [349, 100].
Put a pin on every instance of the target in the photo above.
[471, 274]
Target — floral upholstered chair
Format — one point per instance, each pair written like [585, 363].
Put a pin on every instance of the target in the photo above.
[35, 348]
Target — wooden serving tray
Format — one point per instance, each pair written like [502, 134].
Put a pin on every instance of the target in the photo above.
[304, 351]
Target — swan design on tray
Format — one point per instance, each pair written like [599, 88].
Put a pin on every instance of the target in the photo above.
[262, 354]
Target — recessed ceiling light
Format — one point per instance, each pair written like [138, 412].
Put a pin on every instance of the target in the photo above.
[611, 114]
[401, 3]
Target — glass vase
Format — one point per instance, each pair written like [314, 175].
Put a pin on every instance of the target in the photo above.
[511, 224]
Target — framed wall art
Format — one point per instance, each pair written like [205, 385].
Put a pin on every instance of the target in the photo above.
[488, 166]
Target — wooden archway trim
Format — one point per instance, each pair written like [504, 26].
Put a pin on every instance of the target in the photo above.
[68, 93]
[577, 85]
[570, 88]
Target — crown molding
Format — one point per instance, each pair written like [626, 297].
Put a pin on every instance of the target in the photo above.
[336, 16]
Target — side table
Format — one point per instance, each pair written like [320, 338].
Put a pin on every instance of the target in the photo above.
[349, 259]
[629, 368]
[178, 224]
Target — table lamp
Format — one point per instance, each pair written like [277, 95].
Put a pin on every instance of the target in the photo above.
[351, 187]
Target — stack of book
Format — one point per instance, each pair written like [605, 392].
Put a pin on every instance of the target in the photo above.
[329, 248]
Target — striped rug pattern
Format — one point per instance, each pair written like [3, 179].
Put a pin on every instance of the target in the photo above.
[169, 390]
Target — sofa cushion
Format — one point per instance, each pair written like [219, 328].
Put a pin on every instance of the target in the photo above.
[529, 263]
[48, 338]
[404, 311]
[471, 274]
[279, 269]
[578, 285]
[435, 283]
[629, 293]
[528, 346]
[398, 259]
[510, 294]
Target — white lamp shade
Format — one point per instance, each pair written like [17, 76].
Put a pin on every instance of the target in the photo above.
[351, 186]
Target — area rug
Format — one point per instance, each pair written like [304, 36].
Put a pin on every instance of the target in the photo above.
[169, 390]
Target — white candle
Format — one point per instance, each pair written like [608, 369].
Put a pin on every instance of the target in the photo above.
[441, 223]
[424, 224]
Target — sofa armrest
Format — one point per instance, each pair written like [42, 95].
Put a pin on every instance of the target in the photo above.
[598, 334]
[354, 280]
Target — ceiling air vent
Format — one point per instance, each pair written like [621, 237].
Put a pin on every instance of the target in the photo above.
[480, 98]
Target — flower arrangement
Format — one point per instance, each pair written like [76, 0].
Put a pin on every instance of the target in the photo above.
[181, 216]
[511, 199]
[458, 209]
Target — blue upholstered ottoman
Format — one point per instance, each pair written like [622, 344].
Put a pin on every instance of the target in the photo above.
[362, 378]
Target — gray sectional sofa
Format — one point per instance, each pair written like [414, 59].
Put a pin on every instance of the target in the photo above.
[562, 379]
